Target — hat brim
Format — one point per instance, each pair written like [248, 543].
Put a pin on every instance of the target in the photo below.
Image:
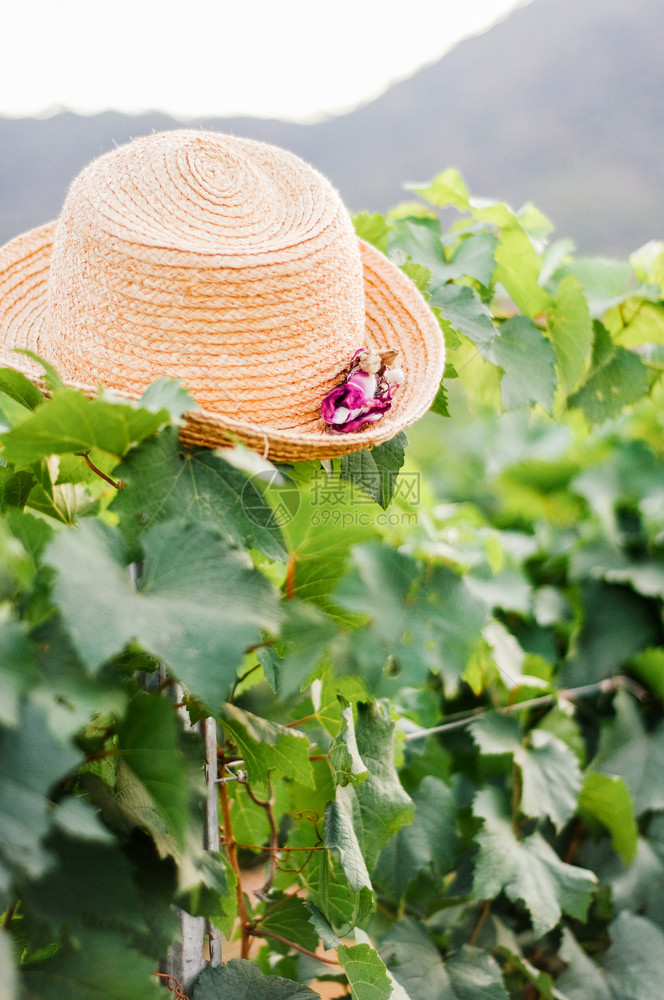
[397, 318]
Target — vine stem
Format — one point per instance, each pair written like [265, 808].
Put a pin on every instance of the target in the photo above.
[86, 458]
[255, 932]
[231, 852]
[9, 915]
[485, 909]
[290, 577]
[268, 805]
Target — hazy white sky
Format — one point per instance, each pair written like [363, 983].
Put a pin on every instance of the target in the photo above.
[278, 58]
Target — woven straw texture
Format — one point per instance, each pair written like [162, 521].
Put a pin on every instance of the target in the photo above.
[227, 263]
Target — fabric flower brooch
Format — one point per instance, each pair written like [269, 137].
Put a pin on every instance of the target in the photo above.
[366, 393]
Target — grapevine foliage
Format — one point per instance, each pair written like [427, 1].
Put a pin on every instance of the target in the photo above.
[437, 670]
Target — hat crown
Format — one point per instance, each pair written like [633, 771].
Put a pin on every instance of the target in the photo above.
[223, 261]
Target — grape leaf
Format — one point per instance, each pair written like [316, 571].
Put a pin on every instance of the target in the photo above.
[164, 481]
[571, 333]
[473, 257]
[100, 965]
[330, 520]
[71, 422]
[18, 669]
[32, 763]
[197, 605]
[89, 881]
[373, 228]
[631, 969]
[428, 845]
[376, 470]
[288, 917]
[20, 388]
[446, 188]
[518, 269]
[148, 747]
[416, 964]
[330, 892]
[363, 818]
[617, 378]
[528, 363]
[606, 797]
[626, 749]
[466, 312]
[265, 745]
[550, 772]
[426, 622]
[240, 979]
[168, 394]
[343, 755]
[526, 870]
[367, 976]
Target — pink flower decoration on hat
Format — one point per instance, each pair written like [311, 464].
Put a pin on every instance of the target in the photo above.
[366, 393]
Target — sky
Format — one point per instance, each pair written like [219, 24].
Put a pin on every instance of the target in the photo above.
[294, 59]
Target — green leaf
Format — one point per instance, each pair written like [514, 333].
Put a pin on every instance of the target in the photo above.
[168, 394]
[606, 282]
[306, 633]
[100, 965]
[518, 269]
[446, 188]
[571, 333]
[240, 979]
[288, 917]
[330, 891]
[528, 362]
[551, 777]
[373, 228]
[617, 379]
[20, 388]
[197, 605]
[14, 487]
[526, 870]
[18, 669]
[148, 747]
[376, 470]
[412, 957]
[606, 797]
[473, 257]
[32, 763]
[426, 622]
[266, 745]
[617, 623]
[466, 312]
[649, 666]
[343, 755]
[418, 241]
[363, 818]
[70, 422]
[631, 969]
[626, 749]
[90, 882]
[329, 522]
[164, 481]
[429, 845]
[440, 403]
[367, 976]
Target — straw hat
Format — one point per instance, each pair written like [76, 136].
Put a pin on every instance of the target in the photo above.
[227, 263]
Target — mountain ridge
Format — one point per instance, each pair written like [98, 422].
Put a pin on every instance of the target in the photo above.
[558, 104]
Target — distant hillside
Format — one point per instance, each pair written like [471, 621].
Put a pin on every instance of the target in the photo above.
[560, 104]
